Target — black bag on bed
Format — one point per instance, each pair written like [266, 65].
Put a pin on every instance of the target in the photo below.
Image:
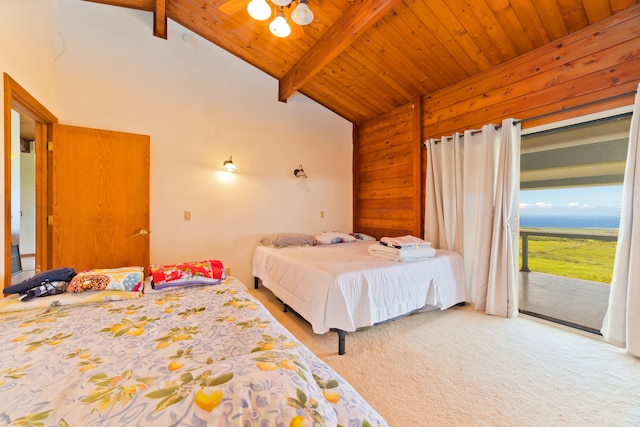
[55, 275]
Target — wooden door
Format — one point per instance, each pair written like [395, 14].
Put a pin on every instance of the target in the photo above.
[100, 198]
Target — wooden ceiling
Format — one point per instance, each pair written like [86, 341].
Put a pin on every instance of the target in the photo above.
[364, 58]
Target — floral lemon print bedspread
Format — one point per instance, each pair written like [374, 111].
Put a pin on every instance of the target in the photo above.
[193, 356]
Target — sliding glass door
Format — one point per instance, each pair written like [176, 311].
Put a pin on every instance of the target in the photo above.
[571, 191]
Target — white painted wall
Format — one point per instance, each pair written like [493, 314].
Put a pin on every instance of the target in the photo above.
[27, 52]
[200, 105]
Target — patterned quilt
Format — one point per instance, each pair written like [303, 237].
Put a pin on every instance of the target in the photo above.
[190, 356]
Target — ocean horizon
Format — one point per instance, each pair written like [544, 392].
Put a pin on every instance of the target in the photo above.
[550, 221]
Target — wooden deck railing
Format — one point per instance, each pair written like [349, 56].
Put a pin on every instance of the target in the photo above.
[594, 235]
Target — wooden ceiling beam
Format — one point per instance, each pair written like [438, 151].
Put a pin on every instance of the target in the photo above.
[355, 21]
[160, 19]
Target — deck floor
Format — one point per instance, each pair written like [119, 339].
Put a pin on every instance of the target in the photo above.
[573, 302]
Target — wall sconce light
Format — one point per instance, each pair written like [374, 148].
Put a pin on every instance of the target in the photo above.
[229, 166]
[299, 173]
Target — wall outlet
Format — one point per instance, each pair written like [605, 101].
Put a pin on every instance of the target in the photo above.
[227, 271]
[187, 215]
[321, 214]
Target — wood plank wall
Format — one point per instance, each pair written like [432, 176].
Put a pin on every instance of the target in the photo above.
[387, 173]
[565, 79]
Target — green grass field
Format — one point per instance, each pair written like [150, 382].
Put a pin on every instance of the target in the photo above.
[577, 258]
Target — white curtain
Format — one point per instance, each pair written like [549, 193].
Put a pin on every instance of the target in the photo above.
[444, 193]
[621, 326]
[473, 185]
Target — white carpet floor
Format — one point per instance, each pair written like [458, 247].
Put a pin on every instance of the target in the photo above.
[460, 367]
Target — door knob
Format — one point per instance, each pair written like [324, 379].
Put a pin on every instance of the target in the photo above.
[143, 232]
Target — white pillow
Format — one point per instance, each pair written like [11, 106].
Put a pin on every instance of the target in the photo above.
[362, 236]
[332, 237]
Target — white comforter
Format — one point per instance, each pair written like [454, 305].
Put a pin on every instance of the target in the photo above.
[342, 286]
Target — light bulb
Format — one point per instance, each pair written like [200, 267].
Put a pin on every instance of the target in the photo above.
[280, 27]
[259, 10]
[302, 15]
[229, 166]
[281, 2]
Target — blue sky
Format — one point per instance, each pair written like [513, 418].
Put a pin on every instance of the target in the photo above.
[578, 201]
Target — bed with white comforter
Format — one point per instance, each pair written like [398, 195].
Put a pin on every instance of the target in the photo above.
[343, 287]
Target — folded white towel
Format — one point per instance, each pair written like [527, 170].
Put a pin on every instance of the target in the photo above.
[407, 241]
[404, 254]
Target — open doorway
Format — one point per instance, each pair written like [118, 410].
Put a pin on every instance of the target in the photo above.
[32, 234]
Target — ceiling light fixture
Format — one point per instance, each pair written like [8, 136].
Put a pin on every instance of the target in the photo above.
[261, 10]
